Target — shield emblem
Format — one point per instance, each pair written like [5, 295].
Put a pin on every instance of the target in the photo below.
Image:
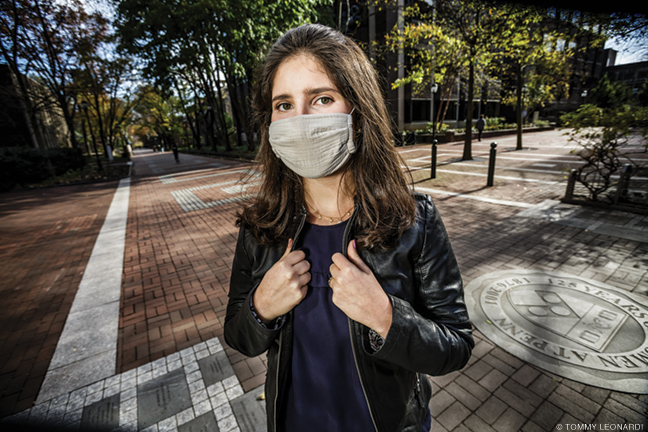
[576, 319]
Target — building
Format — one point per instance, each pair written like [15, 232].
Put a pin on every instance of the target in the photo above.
[47, 128]
[411, 107]
[634, 75]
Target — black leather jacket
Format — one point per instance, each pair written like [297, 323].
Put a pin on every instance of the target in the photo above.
[430, 332]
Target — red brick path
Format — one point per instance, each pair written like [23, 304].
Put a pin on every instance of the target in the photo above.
[47, 237]
[177, 264]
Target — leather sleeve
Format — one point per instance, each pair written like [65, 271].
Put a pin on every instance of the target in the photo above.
[242, 331]
[433, 335]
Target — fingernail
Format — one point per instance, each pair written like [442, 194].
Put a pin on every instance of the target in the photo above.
[354, 244]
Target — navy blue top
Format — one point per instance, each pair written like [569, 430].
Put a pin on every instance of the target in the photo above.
[325, 394]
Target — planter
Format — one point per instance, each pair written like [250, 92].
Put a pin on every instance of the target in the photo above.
[451, 136]
[426, 138]
[608, 206]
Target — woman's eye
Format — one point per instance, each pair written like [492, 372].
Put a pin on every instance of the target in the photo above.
[325, 100]
[283, 106]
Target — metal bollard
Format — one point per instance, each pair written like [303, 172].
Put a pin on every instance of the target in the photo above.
[622, 185]
[491, 164]
[571, 183]
[434, 158]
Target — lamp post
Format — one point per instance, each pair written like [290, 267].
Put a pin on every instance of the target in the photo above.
[84, 105]
[434, 89]
[434, 140]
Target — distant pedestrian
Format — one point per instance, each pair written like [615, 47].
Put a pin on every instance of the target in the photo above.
[174, 147]
[481, 125]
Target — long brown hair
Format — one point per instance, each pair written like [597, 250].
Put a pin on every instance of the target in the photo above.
[384, 204]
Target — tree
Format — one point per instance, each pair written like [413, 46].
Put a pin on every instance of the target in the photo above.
[642, 96]
[157, 116]
[525, 51]
[474, 23]
[42, 39]
[444, 61]
[610, 95]
[107, 85]
[524, 47]
[208, 42]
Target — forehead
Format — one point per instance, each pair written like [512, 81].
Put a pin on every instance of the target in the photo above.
[299, 72]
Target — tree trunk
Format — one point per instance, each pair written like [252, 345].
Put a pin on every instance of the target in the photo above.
[467, 152]
[447, 90]
[68, 115]
[20, 82]
[209, 128]
[208, 87]
[221, 66]
[221, 114]
[186, 113]
[238, 111]
[518, 107]
[100, 126]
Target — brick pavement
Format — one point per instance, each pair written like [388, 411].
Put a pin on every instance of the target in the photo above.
[47, 237]
[496, 391]
[180, 241]
[177, 260]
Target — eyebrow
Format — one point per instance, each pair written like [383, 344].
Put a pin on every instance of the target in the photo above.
[309, 92]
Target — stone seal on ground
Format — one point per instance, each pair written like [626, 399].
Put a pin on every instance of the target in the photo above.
[576, 328]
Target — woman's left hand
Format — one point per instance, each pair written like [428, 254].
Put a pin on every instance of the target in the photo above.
[357, 292]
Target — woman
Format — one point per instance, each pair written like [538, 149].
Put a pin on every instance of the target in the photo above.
[344, 276]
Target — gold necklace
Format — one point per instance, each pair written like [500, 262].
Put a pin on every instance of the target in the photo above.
[330, 218]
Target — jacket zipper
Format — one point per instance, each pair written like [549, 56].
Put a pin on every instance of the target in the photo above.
[276, 396]
[345, 245]
[364, 390]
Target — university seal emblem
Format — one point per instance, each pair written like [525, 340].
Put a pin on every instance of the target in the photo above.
[580, 329]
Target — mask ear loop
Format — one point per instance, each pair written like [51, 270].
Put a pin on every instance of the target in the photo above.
[359, 129]
[351, 146]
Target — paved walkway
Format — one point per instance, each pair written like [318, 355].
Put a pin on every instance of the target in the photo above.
[159, 361]
[47, 238]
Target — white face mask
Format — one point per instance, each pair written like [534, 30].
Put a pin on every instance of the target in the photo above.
[314, 145]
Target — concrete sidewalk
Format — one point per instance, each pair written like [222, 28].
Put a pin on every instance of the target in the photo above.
[158, 360]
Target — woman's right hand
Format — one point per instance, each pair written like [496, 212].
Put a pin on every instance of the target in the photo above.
[284, 286]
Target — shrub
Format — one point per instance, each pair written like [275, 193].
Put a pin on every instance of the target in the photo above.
[586, 116]
[65, 159]
[441, 128]
[498, 123]
[593, 116]
[25, 165]
[604, 136]
[21, 165]
[642, 96]
[608, 94]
